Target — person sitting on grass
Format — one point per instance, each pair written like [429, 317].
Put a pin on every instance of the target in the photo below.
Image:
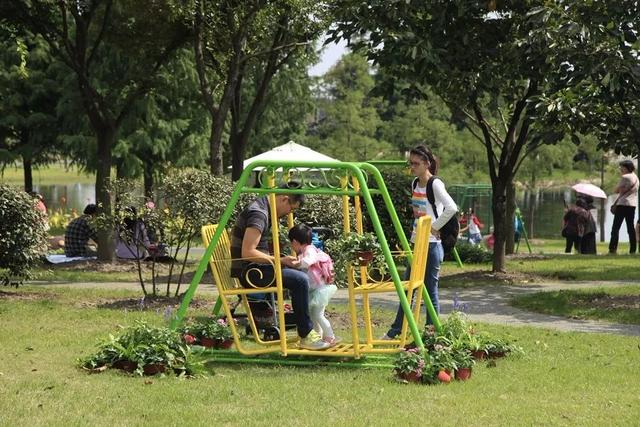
[132, 241]
[319, 267]
[79, 232]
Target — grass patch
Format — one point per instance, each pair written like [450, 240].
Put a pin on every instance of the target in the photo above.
[578, 267]
[570, 378]
[619, 305]
[47, 175]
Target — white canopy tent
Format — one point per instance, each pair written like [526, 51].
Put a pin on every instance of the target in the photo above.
[290, 151]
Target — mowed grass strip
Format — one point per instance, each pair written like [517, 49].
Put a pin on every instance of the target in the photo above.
[564, 379]
[54, 174]
[619, 304]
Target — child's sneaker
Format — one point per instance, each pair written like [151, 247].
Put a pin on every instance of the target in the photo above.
[313, 342]
[332, 341]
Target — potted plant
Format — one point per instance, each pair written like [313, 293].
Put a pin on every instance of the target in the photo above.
[210, 333]
[409, 365]
[443, 362]
[464, 363]
[353, 248]
[142, 349]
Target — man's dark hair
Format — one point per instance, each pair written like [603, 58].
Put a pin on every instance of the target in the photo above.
[90, 209]
[295, 198]
[628, 165]
[300, 233]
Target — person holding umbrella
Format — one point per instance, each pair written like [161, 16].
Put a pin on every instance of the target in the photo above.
[624, 208]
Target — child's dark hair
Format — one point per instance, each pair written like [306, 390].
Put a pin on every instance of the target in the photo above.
[300, 233]
[426, 154]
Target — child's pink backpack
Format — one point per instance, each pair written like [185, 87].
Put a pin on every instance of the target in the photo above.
[322, 270]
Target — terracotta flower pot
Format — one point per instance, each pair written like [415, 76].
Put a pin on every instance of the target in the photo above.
[478, 354]
[207, 342]
[154, 368]
[444, 377]
[496, 354]
[364, 257]
[412, 377]
[463, 374]
[125, 365]
[224, 344]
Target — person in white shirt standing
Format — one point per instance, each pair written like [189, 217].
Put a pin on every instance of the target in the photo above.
[625, 206]
[424, 166]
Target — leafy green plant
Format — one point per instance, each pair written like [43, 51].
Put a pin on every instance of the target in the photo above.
[463, 358]
[23, 235]
[142, 345]
[345, 249]
[443, 358]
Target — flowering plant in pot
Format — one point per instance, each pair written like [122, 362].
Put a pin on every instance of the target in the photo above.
[409, 365]
[443, 362]
[210, 333]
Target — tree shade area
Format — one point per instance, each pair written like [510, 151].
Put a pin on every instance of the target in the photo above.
[507, 93]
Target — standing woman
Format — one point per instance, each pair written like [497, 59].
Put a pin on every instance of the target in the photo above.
[625, 204]
[424, 166]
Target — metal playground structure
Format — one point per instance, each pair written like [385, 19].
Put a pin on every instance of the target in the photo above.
[356, 184]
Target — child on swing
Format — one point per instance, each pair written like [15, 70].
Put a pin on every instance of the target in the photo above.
[319, 267]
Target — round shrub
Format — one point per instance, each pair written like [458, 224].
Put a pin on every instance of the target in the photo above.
[23, 235]
[473, 254]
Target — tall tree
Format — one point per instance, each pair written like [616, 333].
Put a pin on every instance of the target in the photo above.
[598, 46]
[488, 61]
[246, 42]
[137, 38]
[350, 121]
[29, 92]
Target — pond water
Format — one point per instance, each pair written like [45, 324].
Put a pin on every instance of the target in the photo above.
[72, 196]
[546, 210]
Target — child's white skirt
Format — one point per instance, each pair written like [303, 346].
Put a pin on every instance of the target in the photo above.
[319, 297]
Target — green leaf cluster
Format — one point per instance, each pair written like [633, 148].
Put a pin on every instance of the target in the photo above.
[23, 235]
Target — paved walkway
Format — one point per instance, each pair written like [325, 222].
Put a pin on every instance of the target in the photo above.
[488, 304]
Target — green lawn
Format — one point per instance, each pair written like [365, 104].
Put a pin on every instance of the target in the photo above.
[549, 267]
[620, 304]
[564, 379]
[45, 175]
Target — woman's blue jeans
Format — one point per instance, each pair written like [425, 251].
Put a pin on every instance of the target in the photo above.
[431, 279]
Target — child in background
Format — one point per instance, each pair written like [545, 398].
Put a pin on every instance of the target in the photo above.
[319, 267]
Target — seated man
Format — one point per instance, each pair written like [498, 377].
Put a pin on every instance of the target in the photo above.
[78, 233]
[249, 241]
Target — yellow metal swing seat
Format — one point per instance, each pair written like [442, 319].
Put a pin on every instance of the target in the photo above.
[229, 287]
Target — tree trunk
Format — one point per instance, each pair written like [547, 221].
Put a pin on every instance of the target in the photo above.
[499, 219]
[106, 139]
[237, 156]
[28, 174]
[509, 228]
[148, 179]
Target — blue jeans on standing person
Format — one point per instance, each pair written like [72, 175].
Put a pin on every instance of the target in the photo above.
[431, 279]
[295, 281]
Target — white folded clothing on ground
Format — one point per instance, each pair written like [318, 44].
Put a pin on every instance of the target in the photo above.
[59, 259]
